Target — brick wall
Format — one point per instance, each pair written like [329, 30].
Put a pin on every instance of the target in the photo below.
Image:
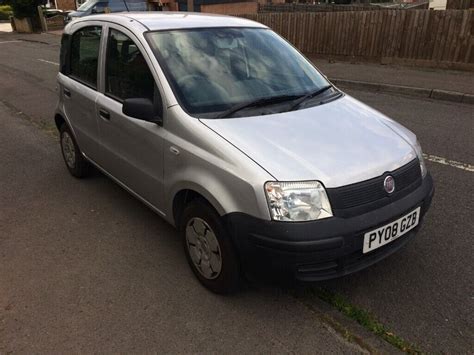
[66, 4]
[235, 8]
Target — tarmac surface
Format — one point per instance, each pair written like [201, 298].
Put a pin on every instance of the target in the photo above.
[84, 267]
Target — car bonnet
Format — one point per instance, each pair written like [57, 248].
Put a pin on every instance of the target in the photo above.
[338, 143]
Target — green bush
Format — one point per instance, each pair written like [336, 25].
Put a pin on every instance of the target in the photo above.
[5, 12]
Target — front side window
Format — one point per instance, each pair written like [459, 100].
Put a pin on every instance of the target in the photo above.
[127, 73]
[214, 69]
[85, 47]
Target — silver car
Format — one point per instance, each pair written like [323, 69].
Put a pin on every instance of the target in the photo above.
[227, 132]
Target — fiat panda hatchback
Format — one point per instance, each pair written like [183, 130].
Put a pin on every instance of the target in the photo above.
[228, 133]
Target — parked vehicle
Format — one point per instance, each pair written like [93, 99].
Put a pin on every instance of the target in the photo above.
[48, 13]
[93, 7]
[231, 135]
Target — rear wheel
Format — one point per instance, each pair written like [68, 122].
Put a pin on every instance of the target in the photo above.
[77, 165]
[208, 248]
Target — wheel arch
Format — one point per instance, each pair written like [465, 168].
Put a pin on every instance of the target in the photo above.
[184, 196]
[59, 120]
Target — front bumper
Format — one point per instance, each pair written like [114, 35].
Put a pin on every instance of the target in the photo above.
[320, 250]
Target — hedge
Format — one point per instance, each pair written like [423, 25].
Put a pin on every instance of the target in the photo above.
[5, 12]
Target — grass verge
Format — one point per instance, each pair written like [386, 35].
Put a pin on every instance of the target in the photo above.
[365, 319]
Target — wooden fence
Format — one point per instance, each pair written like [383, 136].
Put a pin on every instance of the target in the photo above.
[417, 37]
[459, 4]
[317, 7]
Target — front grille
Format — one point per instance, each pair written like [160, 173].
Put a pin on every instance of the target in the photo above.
[372, 191]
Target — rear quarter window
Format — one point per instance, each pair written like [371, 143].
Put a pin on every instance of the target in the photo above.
[64, 54]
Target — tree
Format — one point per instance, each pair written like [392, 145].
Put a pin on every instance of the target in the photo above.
[25, 8]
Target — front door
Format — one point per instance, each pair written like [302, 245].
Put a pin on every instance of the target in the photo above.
[132, 149]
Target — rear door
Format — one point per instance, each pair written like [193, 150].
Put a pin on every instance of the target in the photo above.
[78, 86]
[132, 149]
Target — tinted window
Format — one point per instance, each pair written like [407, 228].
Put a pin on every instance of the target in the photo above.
[127, 73]
[117, 6]
[136, 5]
[64, 53]
[100, 7]
[85, 46]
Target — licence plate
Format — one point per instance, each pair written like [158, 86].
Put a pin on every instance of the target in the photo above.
[389, 232]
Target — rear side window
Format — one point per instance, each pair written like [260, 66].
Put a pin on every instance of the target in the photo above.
[127, 73]
[85, 46]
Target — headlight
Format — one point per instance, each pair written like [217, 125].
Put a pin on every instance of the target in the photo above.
[419, 153]
[297, 201]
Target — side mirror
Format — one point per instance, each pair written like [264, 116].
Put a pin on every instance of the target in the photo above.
[142, 109]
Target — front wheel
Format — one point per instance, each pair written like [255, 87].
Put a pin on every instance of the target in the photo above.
[208, 248]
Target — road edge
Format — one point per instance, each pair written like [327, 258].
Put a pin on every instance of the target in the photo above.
[435, 94]
[347, 327]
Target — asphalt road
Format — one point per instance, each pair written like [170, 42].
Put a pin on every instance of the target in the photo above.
[85, 267]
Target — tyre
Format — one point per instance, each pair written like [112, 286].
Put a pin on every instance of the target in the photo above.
[209, 249]
[77, 165]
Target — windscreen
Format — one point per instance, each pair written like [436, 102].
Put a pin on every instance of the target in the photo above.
[87, 5]
[213, 69]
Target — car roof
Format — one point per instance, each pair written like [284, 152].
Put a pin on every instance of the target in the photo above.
[155, 21]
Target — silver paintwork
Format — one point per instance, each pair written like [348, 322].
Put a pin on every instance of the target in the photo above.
[338, 143]
[227, 161]
[203, 248]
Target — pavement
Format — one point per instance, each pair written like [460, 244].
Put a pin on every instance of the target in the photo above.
[426, 78]
[438, 84]
[5, 27]
[87, 268]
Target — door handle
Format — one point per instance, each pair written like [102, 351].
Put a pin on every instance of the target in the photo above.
[104, 114]
[66, 92]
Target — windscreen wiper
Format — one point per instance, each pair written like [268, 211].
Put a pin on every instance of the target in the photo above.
[256, 103]
[309, 96]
